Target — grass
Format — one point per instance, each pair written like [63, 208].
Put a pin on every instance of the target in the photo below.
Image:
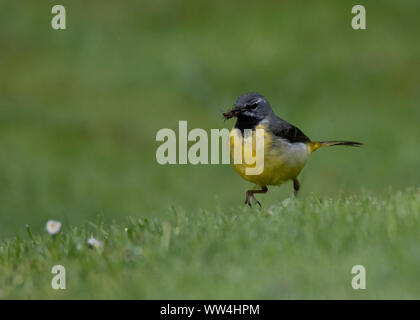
[80, 109]
[301, 248]
[79, 113]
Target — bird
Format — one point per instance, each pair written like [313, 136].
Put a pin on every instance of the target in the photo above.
[286, 147]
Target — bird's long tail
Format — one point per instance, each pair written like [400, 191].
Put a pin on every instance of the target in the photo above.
[313, 146]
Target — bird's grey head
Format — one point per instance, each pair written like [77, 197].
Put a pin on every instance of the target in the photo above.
[250, 105]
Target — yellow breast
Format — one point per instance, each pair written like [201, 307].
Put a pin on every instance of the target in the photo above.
[282, 160]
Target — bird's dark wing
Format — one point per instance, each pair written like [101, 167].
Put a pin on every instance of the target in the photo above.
[285, 130]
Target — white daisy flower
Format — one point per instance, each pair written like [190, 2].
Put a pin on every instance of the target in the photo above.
[94, 243]
[53, 227]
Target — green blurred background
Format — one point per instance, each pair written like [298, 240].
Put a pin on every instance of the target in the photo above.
[80, 108]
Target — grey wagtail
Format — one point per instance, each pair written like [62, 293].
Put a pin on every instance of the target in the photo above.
[286, 148]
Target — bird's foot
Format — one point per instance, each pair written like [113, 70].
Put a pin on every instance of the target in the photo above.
[296, 186]
[249, 196]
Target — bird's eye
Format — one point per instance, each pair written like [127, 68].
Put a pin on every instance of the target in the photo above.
[252, 106]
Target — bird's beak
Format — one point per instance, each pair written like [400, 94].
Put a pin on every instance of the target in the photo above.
[232, 113]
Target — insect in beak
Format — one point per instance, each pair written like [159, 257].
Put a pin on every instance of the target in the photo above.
[230, 114]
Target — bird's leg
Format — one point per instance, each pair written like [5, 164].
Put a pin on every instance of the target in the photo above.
[296, 186]
[250, 195]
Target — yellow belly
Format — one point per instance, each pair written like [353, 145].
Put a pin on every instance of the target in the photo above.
[282, 161]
